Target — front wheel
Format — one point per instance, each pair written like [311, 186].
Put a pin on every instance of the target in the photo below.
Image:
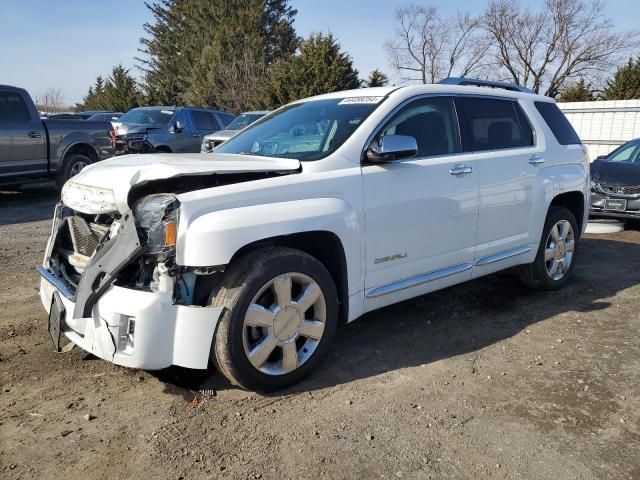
[280, 314]
[556, 255]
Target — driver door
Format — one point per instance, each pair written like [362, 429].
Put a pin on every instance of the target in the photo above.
[421, 213]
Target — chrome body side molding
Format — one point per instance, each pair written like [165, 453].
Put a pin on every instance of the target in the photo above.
[418, 279]
[496, 257]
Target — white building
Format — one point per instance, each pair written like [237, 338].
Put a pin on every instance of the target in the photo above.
[604, 125]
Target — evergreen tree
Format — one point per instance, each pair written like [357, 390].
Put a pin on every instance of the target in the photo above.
[318, 67]
[191, 43]
[119, 93]
[576, 92]
[625, 84]
[376, 79]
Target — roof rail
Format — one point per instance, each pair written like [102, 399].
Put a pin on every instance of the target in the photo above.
[485, 83]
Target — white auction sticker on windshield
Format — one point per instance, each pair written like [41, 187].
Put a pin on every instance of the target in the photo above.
[167, 112]
[357, 100]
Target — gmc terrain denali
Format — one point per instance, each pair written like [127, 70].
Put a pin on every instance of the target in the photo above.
[328, 208]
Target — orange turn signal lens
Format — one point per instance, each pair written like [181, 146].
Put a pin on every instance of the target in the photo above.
[170, 234]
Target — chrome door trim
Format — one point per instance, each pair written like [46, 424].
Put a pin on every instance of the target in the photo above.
[419, 279]
[503, 255]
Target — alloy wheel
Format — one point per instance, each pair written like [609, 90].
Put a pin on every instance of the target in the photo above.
[76, 168]
[559, 248]
[284, 323]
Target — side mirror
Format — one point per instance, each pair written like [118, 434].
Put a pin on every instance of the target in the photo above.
[392, 147]
[177, 127]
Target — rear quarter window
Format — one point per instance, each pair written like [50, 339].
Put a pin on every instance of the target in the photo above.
[558, 123]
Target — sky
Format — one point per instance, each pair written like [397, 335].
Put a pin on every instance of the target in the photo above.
[67, 44]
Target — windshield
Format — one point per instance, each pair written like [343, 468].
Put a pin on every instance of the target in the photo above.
[148, 116]
[244, 120]
[304, 131]
[627, 153]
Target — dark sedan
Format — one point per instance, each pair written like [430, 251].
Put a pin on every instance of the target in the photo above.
[615, 183]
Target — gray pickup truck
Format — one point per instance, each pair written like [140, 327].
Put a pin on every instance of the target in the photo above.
[32, 149]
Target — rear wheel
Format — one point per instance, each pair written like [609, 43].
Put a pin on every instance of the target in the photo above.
[72, 165]
[280, 316]
[556, 255]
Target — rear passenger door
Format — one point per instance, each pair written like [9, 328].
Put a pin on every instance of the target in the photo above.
[203, 124]
[498, 134]
[22, 138]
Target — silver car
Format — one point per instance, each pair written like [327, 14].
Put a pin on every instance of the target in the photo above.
[211, 141]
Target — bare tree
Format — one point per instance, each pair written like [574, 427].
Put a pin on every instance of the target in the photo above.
[566, 40]
[239, 84]
[51, 101]
[428, 47]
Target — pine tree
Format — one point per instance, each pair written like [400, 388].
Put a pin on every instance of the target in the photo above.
[119, 93]
[319, 67]
[191, 43]
[576, 92]
[376, 79]
[625, 84]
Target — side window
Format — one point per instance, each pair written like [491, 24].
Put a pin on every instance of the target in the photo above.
[202, 121]
[13, 108]
[492, 124]
[558, 123]
[431, 121]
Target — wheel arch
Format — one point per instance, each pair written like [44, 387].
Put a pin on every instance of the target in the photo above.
[324, 246]
[76, 142]
[573, 201]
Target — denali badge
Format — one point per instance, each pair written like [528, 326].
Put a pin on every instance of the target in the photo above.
[390, 258]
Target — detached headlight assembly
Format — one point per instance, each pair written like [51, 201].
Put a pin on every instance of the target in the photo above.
[157, 217]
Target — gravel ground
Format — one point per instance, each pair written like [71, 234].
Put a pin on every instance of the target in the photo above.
[483, 380]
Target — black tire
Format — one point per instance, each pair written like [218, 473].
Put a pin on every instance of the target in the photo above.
[70, 167]
[241, 282]
[534, 275]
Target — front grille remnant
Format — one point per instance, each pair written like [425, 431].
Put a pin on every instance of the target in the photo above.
[85, 237]
[621, 189]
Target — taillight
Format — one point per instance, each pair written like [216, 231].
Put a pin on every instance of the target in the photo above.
[112, 135]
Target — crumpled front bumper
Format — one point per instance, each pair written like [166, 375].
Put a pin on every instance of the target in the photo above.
[126, 326]
[140, 329]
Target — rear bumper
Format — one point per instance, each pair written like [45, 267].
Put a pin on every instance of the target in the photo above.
[138, 329]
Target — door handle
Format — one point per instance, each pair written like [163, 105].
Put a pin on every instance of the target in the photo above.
[33, 134]
[460, 170]
[536, 160]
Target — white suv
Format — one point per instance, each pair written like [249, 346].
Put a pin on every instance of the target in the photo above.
[328, 208]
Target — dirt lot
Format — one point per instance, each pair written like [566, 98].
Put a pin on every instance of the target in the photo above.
[486, 379]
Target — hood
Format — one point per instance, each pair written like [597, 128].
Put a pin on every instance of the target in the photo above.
[129, 128]
[615, 173]
[104, 187]
[221, 135]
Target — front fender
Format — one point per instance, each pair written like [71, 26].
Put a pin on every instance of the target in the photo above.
[213, 238]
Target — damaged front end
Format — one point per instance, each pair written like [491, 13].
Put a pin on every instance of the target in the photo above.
[125, 299]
